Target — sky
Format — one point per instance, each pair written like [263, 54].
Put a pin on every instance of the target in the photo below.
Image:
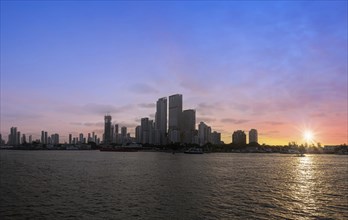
[277, 66]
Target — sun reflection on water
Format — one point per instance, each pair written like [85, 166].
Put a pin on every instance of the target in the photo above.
[303, 189]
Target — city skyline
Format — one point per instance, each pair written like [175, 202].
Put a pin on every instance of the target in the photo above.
[278, 67]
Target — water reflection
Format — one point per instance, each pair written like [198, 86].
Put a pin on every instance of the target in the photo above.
[303, 189]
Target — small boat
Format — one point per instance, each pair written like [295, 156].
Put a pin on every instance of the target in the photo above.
[194, 151]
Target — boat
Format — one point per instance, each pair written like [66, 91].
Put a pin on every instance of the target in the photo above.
[194, 151]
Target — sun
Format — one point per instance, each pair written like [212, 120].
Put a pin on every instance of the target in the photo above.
[308, 136]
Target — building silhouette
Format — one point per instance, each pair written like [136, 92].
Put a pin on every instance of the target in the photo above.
[253, 137]
[188, 125]
[239, 137]
[107, 129]
[175, 110]
[161, 121]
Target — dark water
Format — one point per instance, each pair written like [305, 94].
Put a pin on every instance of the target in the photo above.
[146, 185]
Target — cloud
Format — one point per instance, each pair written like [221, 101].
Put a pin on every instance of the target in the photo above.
[142, 88]
[205, 119]
[147, 105]
[234, 121]
[88, 124]
[273, 122]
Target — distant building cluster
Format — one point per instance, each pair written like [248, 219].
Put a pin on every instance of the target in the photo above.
[177, 127]
[171, 125]
[239, 137]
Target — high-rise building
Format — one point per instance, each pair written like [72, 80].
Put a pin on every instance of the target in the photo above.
[145, 131]
[124, 135]
[13, 136]
[161, 121]
[46, 138]
[215, 138]
[253, 137]
[138, 134]
[175, 110]
[116, 134]
[70, 138]
[188, 125]
[30, 139]
[204, 133]
[81, 138]
[24, 139]
[42, 137]
[107, 129]
[239, 137]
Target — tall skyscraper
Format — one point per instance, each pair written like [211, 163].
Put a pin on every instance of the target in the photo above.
[175, 110]
[46, 138]
[70, 138]
[161, 121]
[124, 135]
[188, 125]
[204, 133]
[239, 137]
[138, 134]
[253, 137]
[116, 134]
[145, 131]
[42, 137]
[107, 129]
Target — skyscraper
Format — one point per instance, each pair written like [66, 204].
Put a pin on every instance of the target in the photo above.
[124, 135]
[145, 131]
[175, 110]
[204, 132]
[188, 125]
[107, 129]
[161, 120]
[253, 137]
[70, 138]
[239, 137]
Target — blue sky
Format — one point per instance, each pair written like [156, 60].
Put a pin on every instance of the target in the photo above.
[279, 67]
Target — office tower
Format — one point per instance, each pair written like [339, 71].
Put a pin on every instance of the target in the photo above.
[145, 130]
[151, 132]
[161, 120]
[138, 134]
[124, 135]
[116, 133]
[215, 138]
[42, 137]
[13, 136]
[239, 137]
[30, 139]
[18, 140]
[24, 139]
[70, 138]
[188, 125]
[56, 138]
[81, 138]
[253, 137]
[107, 130]
[46, 138]
[93, 137]
[175, 110]
[112, 134]
[89, 137]
[204, 132]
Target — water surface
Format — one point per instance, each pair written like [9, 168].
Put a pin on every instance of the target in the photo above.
[150, 185]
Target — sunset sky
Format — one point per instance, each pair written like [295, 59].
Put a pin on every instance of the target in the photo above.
[279, 67]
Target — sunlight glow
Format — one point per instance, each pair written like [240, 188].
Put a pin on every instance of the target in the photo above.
[308, 136]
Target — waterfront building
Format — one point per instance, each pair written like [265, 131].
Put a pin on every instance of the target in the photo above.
[107, 129]
[175, 110]
[45, 137]
[30, 139]
[145, 131]
[161, 121]
[70, 138]
[124, 135]
[253, 138]
[12, 140]
[24, 139]
[188, 125]
[204, 132]
[116, 136]
[81, 138]
[216, 138]
[239, 137]
[138, 134]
